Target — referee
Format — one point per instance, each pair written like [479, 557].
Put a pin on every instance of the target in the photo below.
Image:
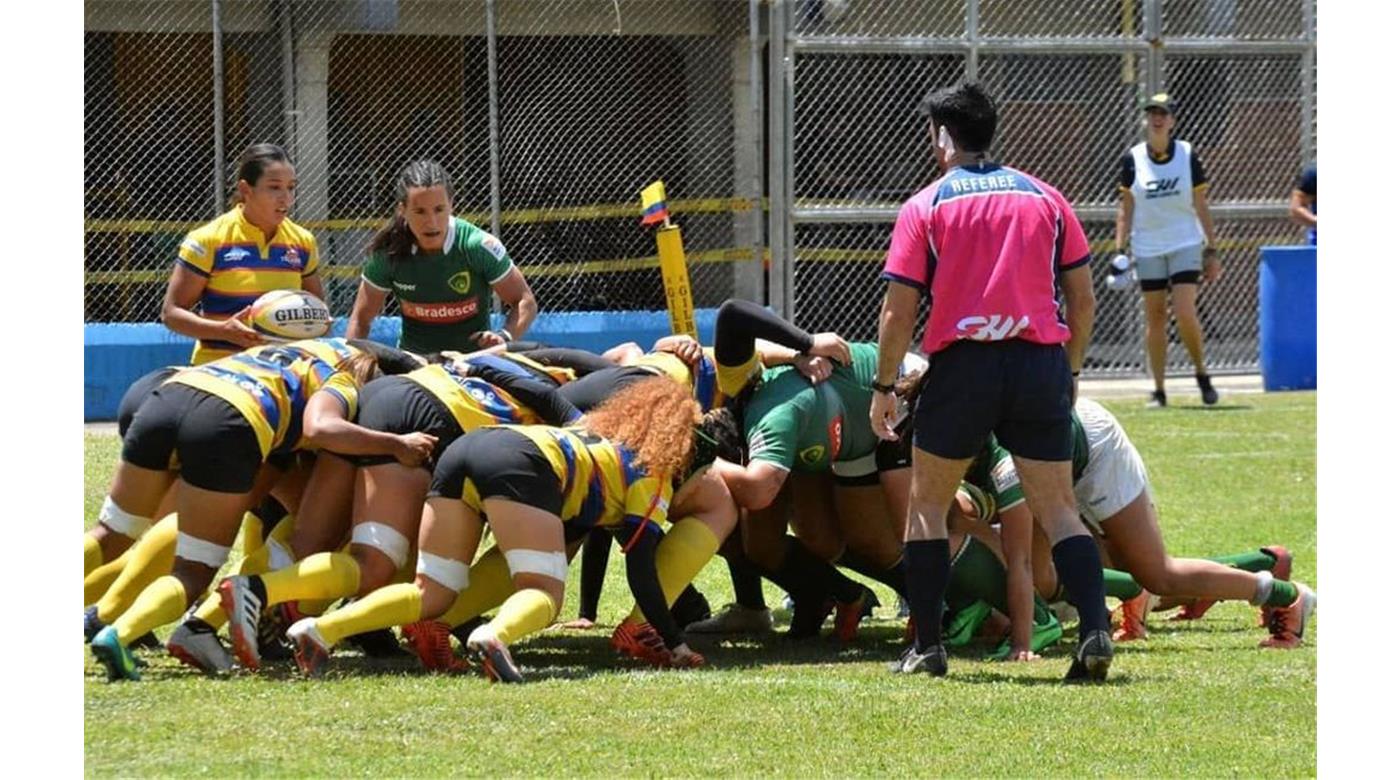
[993, 246]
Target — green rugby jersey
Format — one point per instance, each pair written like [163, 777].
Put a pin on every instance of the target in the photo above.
[444, 296]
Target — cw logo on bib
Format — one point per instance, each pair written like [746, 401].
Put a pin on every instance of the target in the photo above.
[994, 328]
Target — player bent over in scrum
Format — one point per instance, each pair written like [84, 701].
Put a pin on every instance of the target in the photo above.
[222, 420]
[614, 469]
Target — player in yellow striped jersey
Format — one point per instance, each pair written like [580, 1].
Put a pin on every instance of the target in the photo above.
[533, 484]
[215, 426]
[251, 249]
[444, 401]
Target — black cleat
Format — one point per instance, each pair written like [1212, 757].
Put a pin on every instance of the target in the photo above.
[808, 616]
[933, 662]
[1091, 659]
[1208, 394]
[1158, 399]
[380, 643]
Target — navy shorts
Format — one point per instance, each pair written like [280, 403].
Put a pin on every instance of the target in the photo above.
[499, 463]
[1018, 389]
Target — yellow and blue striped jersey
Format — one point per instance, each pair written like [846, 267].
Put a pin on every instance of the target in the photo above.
[702, 379]
[270, 386]
[239, 264]
[473, 402]
[600, 480]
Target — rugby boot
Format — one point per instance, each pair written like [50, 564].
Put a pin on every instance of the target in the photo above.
[849, 614]
[1208, 394]
[116, 659]
[1286, 624]
[194, 643]
[735, 619]
[640, 641]
[1091, 659]
[431, 641]
[493, 657]
[311, 650]
[92, 624]
[808, 616]
[244, 609]
[933, 661]
[1158, 399]
[1134, 617]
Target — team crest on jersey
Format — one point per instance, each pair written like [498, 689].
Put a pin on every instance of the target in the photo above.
[461, 282]
[813, 455]
[292, 256]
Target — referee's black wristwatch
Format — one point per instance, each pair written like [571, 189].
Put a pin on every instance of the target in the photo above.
[879, 387]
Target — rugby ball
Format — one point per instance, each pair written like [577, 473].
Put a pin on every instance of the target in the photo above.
[290, 314]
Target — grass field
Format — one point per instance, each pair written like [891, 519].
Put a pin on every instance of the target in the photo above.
[1195, 699]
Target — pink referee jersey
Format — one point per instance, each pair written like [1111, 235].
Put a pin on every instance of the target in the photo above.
[987, 241]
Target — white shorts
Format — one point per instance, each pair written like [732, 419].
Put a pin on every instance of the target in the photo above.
[1115, 474]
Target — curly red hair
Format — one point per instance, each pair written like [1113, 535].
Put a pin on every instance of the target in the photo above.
[655, 419]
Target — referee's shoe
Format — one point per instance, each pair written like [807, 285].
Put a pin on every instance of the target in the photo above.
[1091, 659]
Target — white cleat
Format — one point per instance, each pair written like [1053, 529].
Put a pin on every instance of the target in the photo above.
[735, 619]
[313, 652]
[244, 609]
[198, 646]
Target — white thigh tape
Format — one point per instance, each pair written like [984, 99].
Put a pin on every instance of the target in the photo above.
[382, 538]
[192, 548]
[120, 521]
[444, 571]
[278, 557]
[549, 564]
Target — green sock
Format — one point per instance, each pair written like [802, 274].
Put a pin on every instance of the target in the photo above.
[1255, 560]
[1283, 594]
[1120, 585]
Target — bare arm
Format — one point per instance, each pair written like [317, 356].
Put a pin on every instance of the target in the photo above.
[1078, 287]
[1017, 531]
[176, 311]
[516, 295]
[324, 426]
[1299, 211]
[369, 301]
[312, 283]
[754, 486]
[1212, 269]
[1123, 226]
[896, 332]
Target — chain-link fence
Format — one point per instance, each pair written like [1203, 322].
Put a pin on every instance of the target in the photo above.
[1067, 78]
[785, 130]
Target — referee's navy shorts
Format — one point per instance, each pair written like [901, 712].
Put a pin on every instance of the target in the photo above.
[1018, 389]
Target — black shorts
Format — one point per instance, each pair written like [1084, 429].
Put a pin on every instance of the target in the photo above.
[396, 404]
[499, 463]
[1016, 388]
[1180, 277]
[592, 390]
[214, 445]
[137, 393]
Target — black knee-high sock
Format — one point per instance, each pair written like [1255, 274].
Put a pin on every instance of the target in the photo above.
[594, 570]
[893, 576]
[747, 582]
[270, 512]
[804, 575]
[1081, 572]
[926, 567]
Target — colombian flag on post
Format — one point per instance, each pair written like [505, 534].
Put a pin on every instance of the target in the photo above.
[654, 204]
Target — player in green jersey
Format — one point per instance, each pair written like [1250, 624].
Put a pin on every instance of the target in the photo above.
[442, 269]
[1115, 501]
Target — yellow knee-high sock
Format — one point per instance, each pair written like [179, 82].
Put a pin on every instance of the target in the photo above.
[160, 603]
[92, 554]
[391, 605]
[685, 550]
[320, 576]
[251, 534]
[97, 581]
[315, 607]
[524, 613]
[152, 556]
[488, 585]
[209, 611]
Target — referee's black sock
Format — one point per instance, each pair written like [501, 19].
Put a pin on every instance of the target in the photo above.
[1081, 574]
[926, 567]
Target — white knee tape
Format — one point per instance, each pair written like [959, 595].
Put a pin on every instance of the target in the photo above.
[382, 538]
[278, 557]
[444, 571]
[192, 548]
[549, 564]
[120, 521]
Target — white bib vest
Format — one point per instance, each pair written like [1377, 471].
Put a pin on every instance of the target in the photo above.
[1164, 216]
